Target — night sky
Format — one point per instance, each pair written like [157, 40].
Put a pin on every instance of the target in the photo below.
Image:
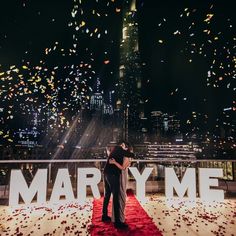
[187, 49]
[168, 63]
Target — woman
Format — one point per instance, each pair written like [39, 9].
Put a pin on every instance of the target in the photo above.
[123, 186]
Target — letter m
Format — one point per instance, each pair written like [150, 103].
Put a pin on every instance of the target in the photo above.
[188, 183]
[18, 186]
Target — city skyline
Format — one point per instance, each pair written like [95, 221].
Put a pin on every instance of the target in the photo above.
[52, 62]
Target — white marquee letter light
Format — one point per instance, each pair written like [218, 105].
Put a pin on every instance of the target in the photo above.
[188, 183]
[62, 187]
[140, 181]
[18, 186]
[84, 181]
[205, 181]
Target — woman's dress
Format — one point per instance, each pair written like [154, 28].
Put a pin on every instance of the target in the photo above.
[122, 195]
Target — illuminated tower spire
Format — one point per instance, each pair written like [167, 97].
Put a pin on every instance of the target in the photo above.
[133, 5]
[129, 85]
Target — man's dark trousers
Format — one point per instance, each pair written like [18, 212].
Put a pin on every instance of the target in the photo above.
[112, 185]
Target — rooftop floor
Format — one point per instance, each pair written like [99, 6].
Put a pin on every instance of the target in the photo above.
[172, 217]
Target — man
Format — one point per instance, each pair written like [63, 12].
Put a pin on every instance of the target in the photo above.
[112, 182]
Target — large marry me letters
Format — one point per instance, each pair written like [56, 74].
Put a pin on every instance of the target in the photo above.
[207, 177]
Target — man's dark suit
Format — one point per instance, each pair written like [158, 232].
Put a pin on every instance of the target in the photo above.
[112, 180]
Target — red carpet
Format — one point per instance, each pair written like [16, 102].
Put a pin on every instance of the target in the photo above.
[140, 224]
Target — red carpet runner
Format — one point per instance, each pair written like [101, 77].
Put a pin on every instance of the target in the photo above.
[140, 224]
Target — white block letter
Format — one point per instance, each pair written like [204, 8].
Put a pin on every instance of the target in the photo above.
[205, 182]
[84, 181]
[62, 186]
[188, 183]
[18, 186]
[140, 180]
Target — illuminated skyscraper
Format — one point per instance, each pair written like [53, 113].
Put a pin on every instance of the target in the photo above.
[129, 100]
[164, 124]
[96, 100]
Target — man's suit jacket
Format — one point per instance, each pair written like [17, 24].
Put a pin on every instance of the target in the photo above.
[118, 154]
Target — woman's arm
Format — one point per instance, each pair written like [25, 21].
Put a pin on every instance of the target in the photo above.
[126, 163]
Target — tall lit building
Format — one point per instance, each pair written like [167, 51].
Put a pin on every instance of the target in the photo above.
[129, 101]
[108, 105]
[96, 100]
[31, 131]
[164, 124]
[157, 123]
